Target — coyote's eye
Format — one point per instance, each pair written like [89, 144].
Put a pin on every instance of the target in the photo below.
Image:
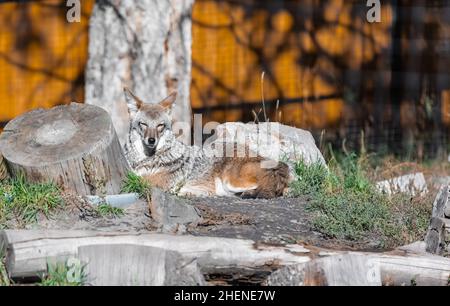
[161, 127]
[142, 125]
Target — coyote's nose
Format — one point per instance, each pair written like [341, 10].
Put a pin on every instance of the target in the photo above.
[151, 141]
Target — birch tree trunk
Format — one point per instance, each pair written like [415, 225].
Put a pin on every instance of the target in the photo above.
[142, 44]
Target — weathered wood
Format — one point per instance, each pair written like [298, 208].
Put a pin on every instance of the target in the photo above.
[29, 251]
[338, 270]
[142, 44]
[441, 202]
[128, 265]
[435, 238]
[3, 169]
[394, 268]
[75, 146]
[223, 260]
[414, 269]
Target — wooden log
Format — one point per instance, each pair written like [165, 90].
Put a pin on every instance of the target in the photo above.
[28, 252]
[338, 270]
[3, 169]
[75, 146]
[128, 265]
[232, 261]
[435, 238]
[393, 268]
[414, 269]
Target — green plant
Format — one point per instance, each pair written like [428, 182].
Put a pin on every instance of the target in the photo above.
[108, 211]
[345, 203]
[135, 183]
[310, 178]
[64, 274]
[4, 279]
[24, 201]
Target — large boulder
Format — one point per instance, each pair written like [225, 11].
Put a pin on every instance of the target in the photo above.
[270, 140]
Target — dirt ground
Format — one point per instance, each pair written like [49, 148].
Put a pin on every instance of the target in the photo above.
[275, 221]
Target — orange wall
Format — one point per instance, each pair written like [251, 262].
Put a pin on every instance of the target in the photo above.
[230, 44]
[42, 59]
[42, 56]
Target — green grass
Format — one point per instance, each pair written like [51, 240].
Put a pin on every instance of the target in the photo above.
[346, 205]
[23, 202]
[4, 279]
[133, 183]
[63, 274]
[108, 211]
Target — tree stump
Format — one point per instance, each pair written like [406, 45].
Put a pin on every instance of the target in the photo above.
[3, 169]
[74, 146]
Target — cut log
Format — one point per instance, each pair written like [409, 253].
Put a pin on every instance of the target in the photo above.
[435, 239]
[337, 270]
[28, 252]
[3, 169]
[75, 146]
[229, 261]
[128, 265]
[393, 269]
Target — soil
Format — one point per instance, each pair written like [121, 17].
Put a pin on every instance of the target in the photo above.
[274, 221]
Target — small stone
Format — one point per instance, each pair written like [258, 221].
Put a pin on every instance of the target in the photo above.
[171, 212]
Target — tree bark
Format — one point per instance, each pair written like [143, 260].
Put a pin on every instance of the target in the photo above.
[3, 169]
[144, 45]
[74, 146]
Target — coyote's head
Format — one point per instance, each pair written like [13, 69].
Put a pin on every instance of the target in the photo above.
[151, 121]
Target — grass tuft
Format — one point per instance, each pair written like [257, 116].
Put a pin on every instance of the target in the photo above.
[4, 279]
[63, 274]
[108, 211]
[23, 201]
[346, 204]
[134, 183]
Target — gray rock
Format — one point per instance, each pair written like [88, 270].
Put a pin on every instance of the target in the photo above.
[412, 184]
[171, 212]
[271, 140]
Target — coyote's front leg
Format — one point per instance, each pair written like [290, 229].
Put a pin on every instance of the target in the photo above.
[196, 191]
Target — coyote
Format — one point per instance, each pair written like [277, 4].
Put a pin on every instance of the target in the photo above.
[155, 154]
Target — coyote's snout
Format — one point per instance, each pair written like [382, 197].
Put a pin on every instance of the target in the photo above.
[155, 154]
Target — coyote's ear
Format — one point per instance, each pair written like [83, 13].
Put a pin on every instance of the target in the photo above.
[133, 102]
[167, 102]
